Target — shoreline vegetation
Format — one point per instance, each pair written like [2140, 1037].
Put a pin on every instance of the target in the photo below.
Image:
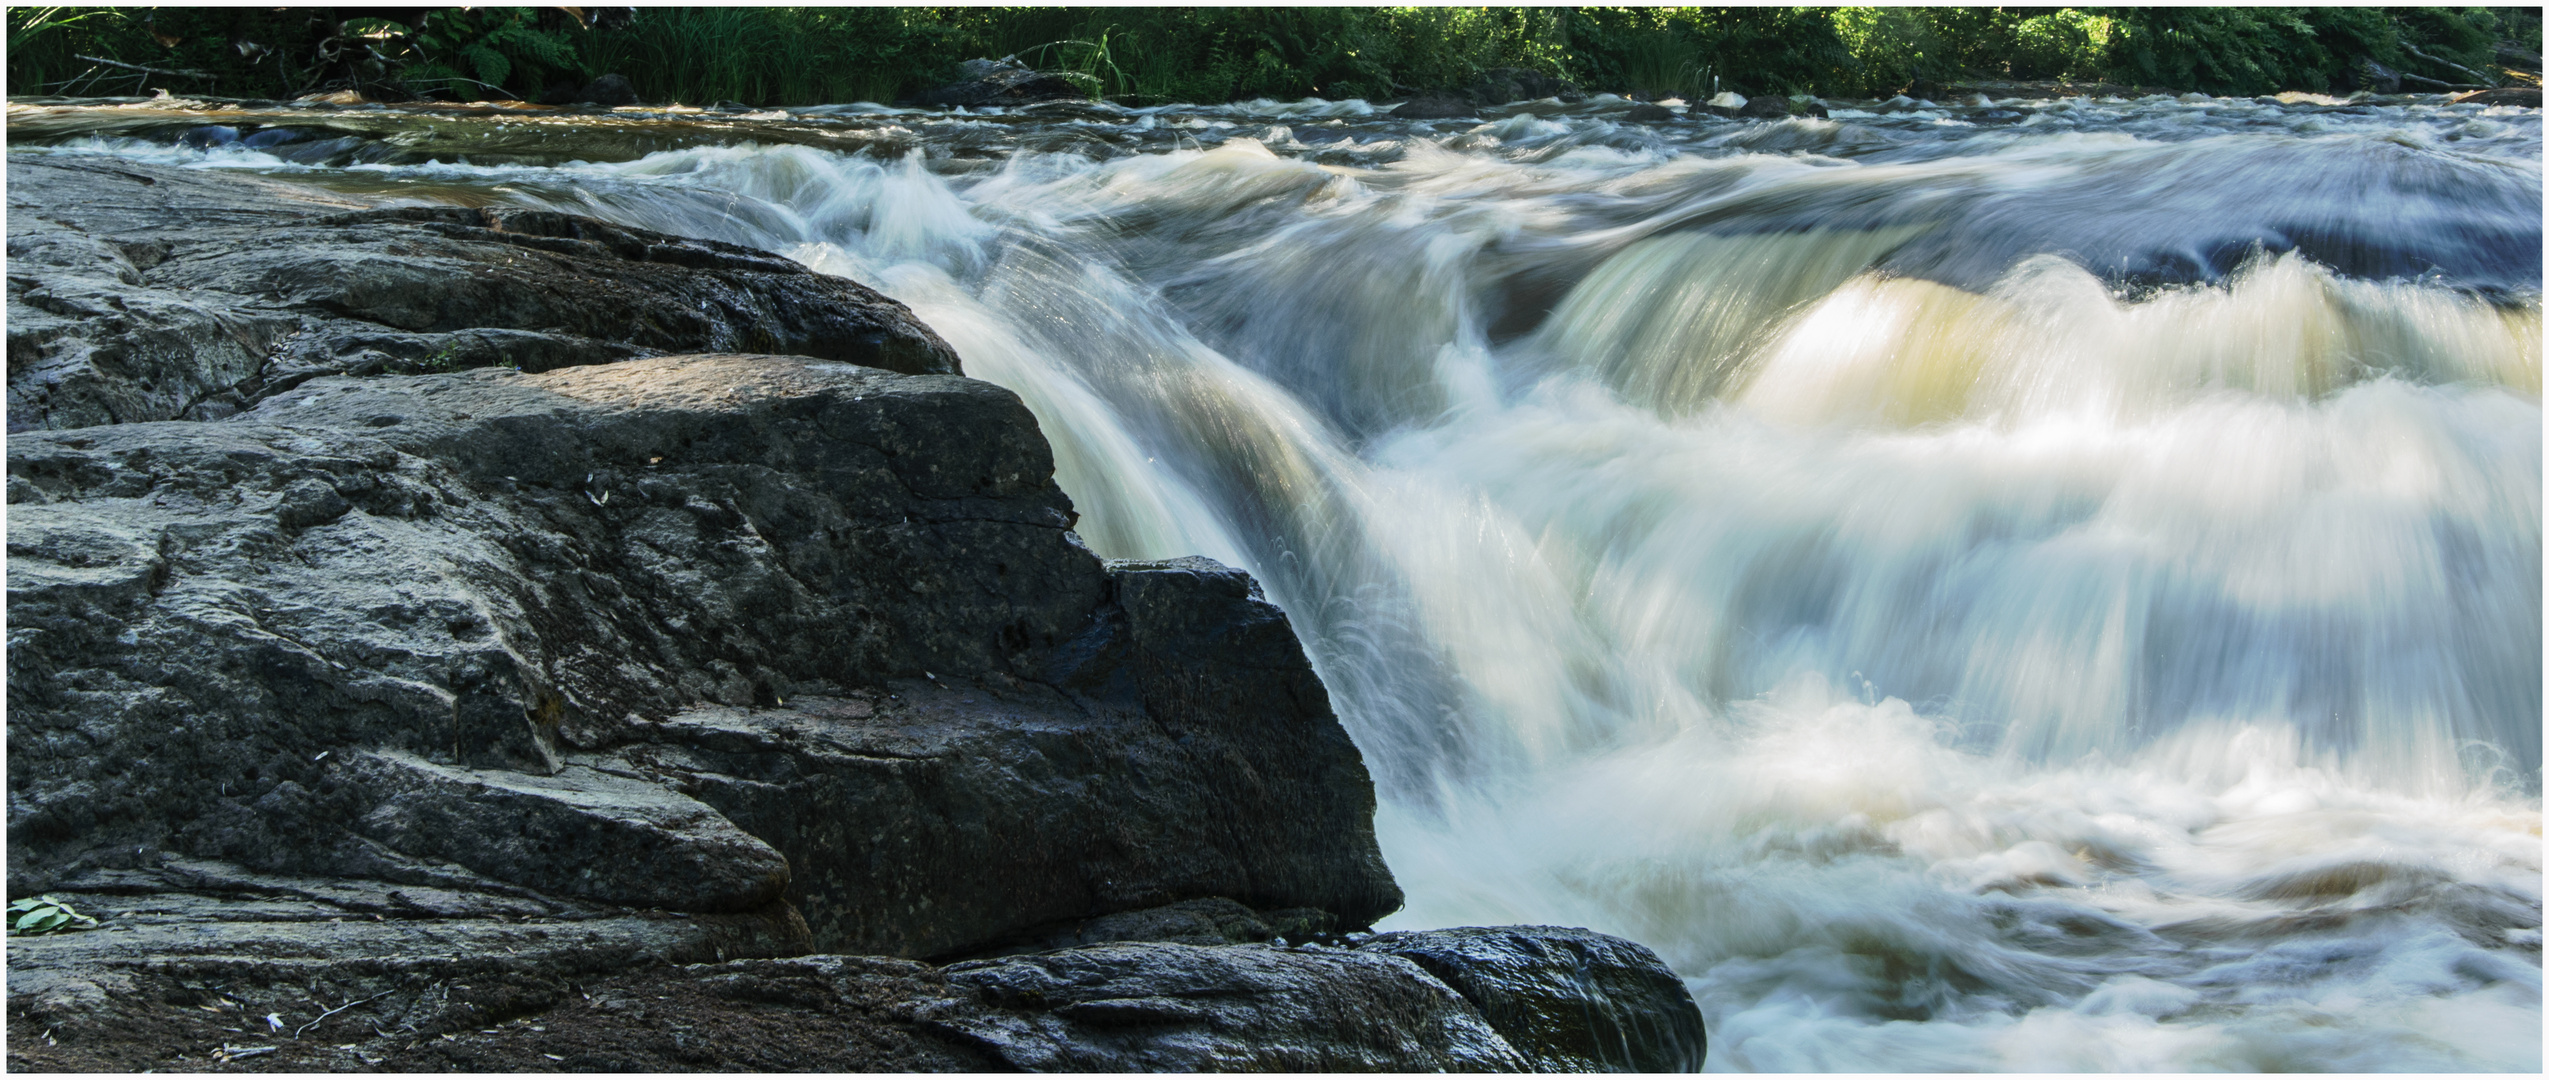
[783, 56]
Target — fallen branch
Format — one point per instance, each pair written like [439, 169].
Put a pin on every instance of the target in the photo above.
[296, 1032]
[140, 68]
[2420, 54]
[2405, 77]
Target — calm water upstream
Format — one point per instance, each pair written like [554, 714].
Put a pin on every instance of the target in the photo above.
[2030, 586]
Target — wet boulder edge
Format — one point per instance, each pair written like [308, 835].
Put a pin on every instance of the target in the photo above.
[501, 640]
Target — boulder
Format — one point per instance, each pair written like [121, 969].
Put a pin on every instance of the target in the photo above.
[607, 568]
[1765, 107]
[1567, 1000]
[609, 91]
[1435, 108]
[999, 82]
[141, 293]
[526, 718]
[1649, 112]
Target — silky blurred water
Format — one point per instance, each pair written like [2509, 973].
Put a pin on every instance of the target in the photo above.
[2024, 585]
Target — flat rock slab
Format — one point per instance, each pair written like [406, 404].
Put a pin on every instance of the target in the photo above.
[1156, 1007]
[578, 832]
[139, 292]
[630, 994]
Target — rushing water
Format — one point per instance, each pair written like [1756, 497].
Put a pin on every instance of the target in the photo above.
[2030, 586]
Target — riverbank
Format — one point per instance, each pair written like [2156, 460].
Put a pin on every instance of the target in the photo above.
[813, 56]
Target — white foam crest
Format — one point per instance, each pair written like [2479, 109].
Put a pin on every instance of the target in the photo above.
[2066, 586]
[2048, 339]
[1859, 897]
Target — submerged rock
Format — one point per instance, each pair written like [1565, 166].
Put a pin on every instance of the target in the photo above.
[1765, 107]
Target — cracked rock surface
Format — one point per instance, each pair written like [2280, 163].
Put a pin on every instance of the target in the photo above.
[138, 292]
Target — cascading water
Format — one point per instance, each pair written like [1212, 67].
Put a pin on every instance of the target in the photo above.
[2063, 595]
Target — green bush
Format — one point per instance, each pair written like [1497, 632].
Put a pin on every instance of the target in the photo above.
[798, 56]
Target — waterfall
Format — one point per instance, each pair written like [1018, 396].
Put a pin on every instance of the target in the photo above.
[2055, 597]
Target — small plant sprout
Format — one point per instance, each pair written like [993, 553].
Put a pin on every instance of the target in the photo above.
[46, 915]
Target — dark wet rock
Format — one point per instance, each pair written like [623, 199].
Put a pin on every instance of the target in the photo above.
[999, 82]
[192, 955]
[1212, 920]
[1435, 108]
[901, 812]
[144, 293]
[272, 137]
[2526, 97]
[1156, 1007]
[530, 559]
[336, 151]
[1765, 107]
[1498, 86]
[431, 979]
[609, 91]
[430, 721]
[1649, 112]
[1129, 807]
[536, 571]
[1569, 1000]
[578, 832]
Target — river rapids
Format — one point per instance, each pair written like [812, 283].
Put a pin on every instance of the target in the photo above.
[2046, 585]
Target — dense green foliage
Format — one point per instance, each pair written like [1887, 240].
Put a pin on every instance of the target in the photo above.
[773, 55]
